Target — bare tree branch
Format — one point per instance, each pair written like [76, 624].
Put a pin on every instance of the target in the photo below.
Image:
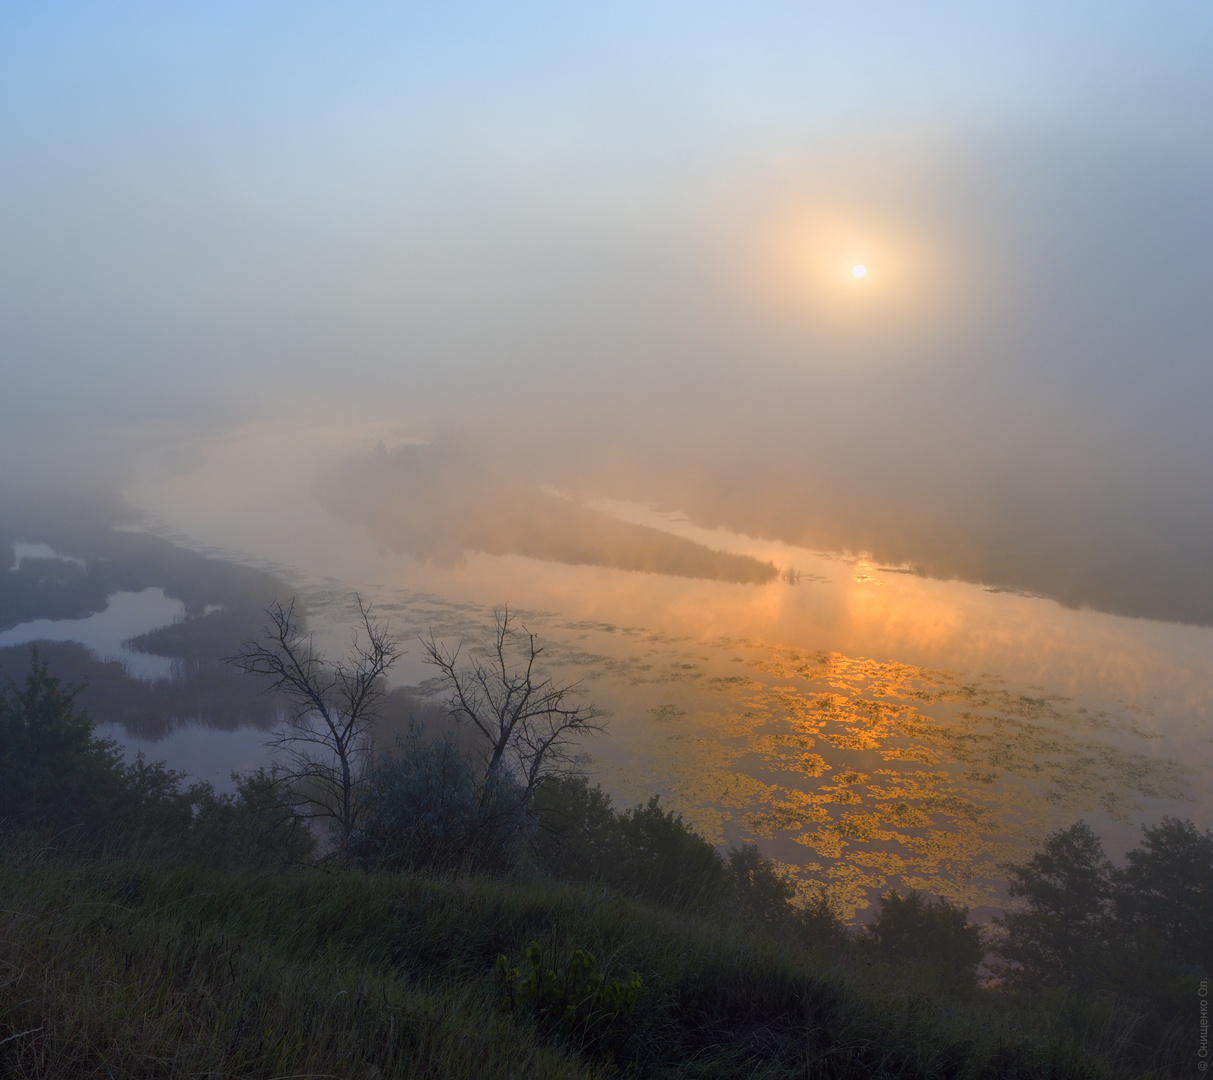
[531, 725]
[325, 739]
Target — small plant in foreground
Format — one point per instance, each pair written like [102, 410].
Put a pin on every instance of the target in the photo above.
[577, 999]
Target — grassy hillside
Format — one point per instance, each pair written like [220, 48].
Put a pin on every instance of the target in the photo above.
[125, 969]
[149, 929]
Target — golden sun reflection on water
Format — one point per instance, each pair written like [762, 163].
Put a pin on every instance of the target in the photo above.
[863, 773]
[866, 726]
[946, 730]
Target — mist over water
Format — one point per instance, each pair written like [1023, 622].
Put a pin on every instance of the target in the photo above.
[556, 309]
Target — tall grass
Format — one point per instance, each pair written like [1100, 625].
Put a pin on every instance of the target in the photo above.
[124, 972]
[121, 969]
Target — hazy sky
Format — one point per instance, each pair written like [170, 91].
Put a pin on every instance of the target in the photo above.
[612, 244]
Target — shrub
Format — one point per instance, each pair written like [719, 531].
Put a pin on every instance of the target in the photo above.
[656, 855]
[573, 835]
[52, 770]
[914, 928]
[424, 810]
[652, 853]
[820, 923]
[761, 892]
[256, 827]
[577, 999]
[56, 774]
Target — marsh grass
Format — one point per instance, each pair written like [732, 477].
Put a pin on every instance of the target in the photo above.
[121, 969]
[126, 972]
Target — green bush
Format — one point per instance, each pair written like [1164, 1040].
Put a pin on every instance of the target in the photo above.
[646, 851]
[424, 809]
[258, 826]
[935, 932]
[656, 855]
[762, 894]
[572, 838]
[56, 775]
[575, 1001]
[58, 778]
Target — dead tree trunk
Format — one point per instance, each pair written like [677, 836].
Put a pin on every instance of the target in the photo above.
[530, 725]
[325, 742]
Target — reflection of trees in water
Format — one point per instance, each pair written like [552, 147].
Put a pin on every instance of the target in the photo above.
[223, 599]
[203, 692]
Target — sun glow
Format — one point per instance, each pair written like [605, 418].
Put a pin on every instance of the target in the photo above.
[854, 277]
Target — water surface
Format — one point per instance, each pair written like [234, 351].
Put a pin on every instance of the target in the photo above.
[867, 725]
[107, 633]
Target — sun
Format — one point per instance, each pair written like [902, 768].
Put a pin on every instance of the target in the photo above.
[851, 278]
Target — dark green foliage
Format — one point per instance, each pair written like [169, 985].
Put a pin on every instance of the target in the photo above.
[427, 808]
[656, 855]
[56, 775]
[931, 932]
[1060, 937]
[255, 827]
[1166, 891]
[1092, 934]
[763, 894]
[1089, 924]
[573, 828]
[575, 1001]
[646, 851]
[652, 854]
[52, 769]
[820, 924]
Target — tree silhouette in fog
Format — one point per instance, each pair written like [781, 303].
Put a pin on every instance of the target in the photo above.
[324, 743]
[530, 724]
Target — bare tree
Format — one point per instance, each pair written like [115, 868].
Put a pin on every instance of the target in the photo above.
[531, 724]
[325, 740]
